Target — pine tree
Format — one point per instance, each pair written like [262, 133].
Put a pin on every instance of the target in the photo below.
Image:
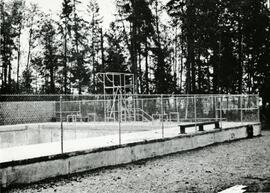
[96, 39]
[47, 62]
[26, 82]
[80, 72]
[140, 19]
[5, 46]
[115, 60]
[8, 34]
[163, 81]
[65, 30]
[18, 9]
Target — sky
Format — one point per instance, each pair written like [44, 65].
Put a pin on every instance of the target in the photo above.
[107, 8]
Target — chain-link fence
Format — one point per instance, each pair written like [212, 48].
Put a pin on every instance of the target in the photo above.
[76, 120]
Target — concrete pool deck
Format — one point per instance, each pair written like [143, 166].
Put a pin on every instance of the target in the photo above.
[72, 145]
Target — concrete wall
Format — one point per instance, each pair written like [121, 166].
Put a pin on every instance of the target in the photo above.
[32, 170]
[29, 134]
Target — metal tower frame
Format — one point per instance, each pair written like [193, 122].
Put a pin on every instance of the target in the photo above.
[119, 85]
[116, 82]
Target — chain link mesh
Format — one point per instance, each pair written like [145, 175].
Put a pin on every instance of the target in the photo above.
[32, 119]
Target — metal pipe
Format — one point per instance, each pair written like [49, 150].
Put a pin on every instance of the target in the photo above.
[61, 125]
[241, 110]
[162, 113]
[105, 102]
[119, 118]
[221, 100]
[258, 107]
[195, 112]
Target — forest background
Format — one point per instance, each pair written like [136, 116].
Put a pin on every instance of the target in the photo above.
[181, 46]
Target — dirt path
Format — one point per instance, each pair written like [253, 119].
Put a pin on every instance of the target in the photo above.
[209, 169]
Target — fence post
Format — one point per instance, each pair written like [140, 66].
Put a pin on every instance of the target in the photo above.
[241, 110]
[134, 108]
[221, 106]
[215, 106]
[105, 108]
[195, 112]
[177, 107]
[61, 121]
[119, 117]
[162, 114]
[125, 107]
[258, 107]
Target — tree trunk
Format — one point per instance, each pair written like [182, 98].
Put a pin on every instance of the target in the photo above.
[157, 22]
[19, 58]
[140, 74]
[190, 49]
[77, 50]
[215, 72]
[175, 59]
[65, 58]
[9, 75]
[200, 78]
[146, 68]
[193, 71]
[240, 39]
[102, 51]
[93, 52]
[3, 50]
[181, 64]
[52, 85]
[78, 65]
[29, 47]
[134, 56]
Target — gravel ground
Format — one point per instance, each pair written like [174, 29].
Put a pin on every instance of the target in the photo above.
[209, 169]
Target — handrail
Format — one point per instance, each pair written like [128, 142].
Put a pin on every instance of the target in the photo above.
[149, 118]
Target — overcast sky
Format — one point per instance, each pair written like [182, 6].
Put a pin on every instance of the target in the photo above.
[107, 8]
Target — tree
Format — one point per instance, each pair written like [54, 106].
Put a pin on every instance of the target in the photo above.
[79, 71]
[9, 24]
[47, 62]
[144, 41]
[18, 8]
[26, 83]
[96, 35]
[230, 39]
[141, 20]
[115, 60]
[199, 34]
[256, 46]
[65, 30]
[5, 46]
[34, 18]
